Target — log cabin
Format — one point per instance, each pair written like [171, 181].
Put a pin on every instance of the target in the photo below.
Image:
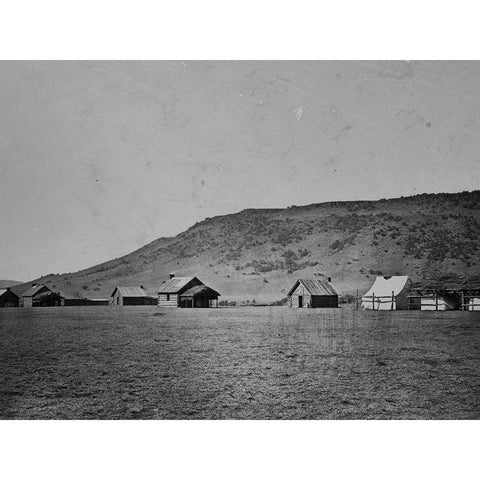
[40, 296]
[313, 293]
[186, 292]
[127, 296]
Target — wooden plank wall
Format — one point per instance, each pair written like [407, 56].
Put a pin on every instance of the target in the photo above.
[324, 301]
[163, 302]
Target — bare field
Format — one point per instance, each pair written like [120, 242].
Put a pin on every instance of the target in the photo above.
[238, 363]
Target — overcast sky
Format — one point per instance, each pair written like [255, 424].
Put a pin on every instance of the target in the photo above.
[99, 158]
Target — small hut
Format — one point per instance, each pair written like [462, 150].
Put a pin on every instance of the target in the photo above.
[313, 293]
[186, 292]
[8, 298]
[388, 293]
[127, 296]
[72, 300]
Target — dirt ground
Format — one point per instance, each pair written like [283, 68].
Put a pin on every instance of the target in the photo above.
[238, 363]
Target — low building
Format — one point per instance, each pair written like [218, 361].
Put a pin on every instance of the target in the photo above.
[439, 300]
[313, 293]
[186, 292]
[436, 297]
[8, 298]
[71, 300]
[40, 296]
[388, 293]
[99, 302]
[128, 296]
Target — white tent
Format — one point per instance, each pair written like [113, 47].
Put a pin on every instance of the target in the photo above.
[387, 293]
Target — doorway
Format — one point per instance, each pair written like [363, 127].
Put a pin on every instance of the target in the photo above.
[300, 301]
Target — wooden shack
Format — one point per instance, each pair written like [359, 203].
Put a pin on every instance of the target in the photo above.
[186, 292]
[313, 293]
[40, 296]
[128, 296]
[8, 298]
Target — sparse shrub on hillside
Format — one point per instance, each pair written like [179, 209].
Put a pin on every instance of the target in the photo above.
[233, 255]
[341, 244]
[336, 245]
[290, 259]
[85, 287]
[375, 272]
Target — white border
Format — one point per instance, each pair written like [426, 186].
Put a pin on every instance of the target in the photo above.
[53, 29]
[247, 29]
[239, 449]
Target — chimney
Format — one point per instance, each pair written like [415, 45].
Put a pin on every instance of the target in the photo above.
[172, 275]
[142, 287]
[329, 279]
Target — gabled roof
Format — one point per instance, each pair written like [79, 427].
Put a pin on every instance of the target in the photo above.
[130, 292]
[5, 290]
[384, 286]
[200, 289]
[34, 290]
[175, 284]
[315, 287]
[19, 289]
[46, 294]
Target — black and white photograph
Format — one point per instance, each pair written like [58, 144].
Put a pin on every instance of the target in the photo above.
[239, 239]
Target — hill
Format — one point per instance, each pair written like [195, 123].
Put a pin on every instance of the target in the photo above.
[9, 283]
[257, 253]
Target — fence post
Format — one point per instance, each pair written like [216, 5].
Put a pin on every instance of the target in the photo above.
[357, 299]
[373, 301]
[436, 300]
[393, 299]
